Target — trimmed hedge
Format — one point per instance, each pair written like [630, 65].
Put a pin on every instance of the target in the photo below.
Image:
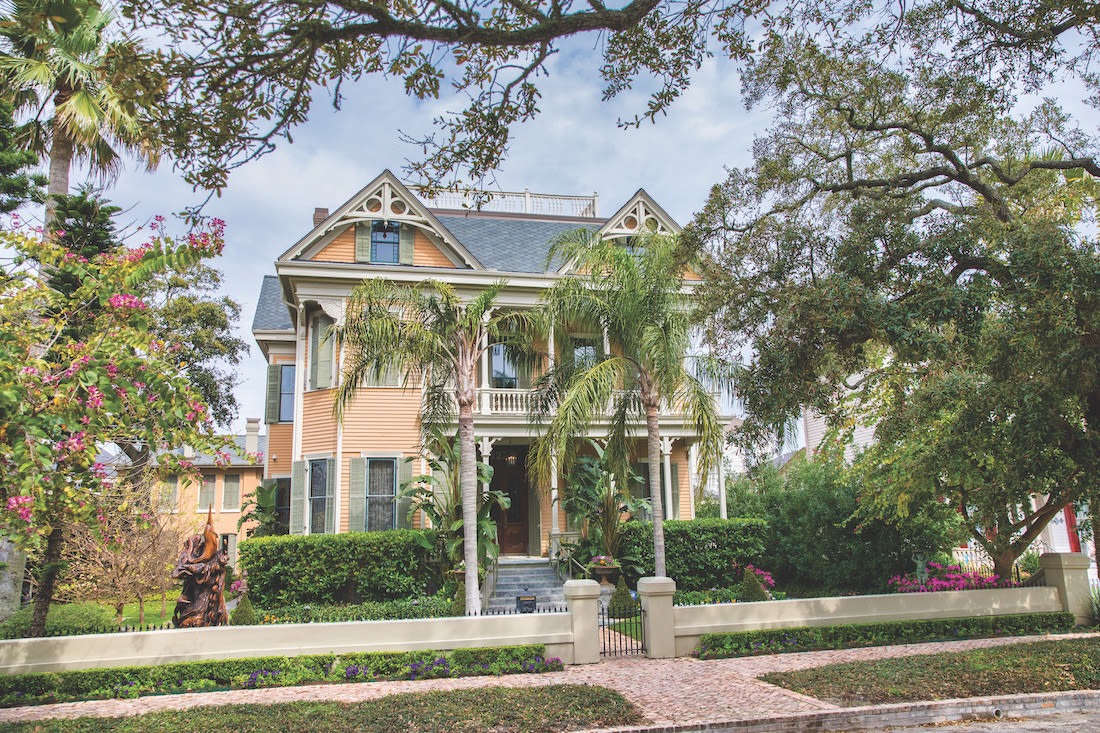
[436, 606]
[336, 568]
[809, 638]
[51, 687]
[63, 619]
[699, 553]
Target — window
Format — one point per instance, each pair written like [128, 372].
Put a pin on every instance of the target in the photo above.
[640, 489]
[231, 492]
[381, 492]
[385, 242]
[286, 392]
[502, 370]
[206, 493]
[169, 493]
[321, 350]
[318, 495]
[586, 352]
[282, 505]
[229, 547]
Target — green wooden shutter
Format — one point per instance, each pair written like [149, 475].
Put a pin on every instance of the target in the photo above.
[405, 248]
[298, 497]
[330, 497]
[675, 491]
[362, 241]
[274, 390]
[404, 475]
[314, 342]
[357, 496]
[320, 368]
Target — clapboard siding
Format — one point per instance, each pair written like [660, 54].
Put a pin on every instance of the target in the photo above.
[426, 254]
[318, 423]
[280, 443]
[340, 249]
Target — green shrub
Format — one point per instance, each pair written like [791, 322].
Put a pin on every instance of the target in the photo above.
[270, 672]
[458, 605]
[751, 589]
[701, 597]
[622, 604]
[243, 614]
[63, 619]
[699, 553]
[424, 607]
[773, 641]
[336, 568]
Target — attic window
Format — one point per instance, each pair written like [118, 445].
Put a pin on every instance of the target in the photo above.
[385, 242]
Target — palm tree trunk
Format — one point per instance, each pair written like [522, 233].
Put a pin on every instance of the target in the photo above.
[467, 471]
[51, 564]
[61, 158]
[1094, 518]
[653, 434]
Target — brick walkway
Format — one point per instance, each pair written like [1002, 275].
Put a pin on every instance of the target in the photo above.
[666, 691]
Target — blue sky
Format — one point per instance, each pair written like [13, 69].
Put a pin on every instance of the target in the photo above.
[574, 147]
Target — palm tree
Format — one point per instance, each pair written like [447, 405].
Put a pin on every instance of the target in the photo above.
[83, 94]
[634, 294]
[434, 340]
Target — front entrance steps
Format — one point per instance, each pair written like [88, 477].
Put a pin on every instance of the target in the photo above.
[526, 576]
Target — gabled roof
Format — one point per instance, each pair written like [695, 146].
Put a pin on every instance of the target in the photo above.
[639, 215]
[384, 198]
[271, 311]
[511, 244]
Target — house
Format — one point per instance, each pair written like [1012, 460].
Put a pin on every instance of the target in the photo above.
[337, 476]
[220, 488]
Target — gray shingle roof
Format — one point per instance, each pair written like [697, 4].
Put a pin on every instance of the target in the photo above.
[510, 245]
[271, 312]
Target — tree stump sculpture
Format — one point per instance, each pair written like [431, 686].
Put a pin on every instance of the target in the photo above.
[201, 566]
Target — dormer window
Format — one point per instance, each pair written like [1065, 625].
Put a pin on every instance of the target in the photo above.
[385, 242]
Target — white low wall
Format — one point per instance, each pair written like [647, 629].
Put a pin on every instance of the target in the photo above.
[233, 642]
[690, 622]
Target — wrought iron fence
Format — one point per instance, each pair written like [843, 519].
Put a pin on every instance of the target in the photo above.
[622, 629]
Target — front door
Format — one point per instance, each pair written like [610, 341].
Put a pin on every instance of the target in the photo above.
[510, 477]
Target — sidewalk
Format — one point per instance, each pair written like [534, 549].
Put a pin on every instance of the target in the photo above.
[683, 692]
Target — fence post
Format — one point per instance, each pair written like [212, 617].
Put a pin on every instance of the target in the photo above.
[582, 597]
[659, 631]
[1069, 573]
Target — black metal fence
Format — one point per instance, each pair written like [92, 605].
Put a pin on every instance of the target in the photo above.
[622, 629]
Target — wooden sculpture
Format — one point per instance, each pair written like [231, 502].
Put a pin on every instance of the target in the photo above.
[201, 566]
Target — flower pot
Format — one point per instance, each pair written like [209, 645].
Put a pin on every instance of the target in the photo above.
[606, 575]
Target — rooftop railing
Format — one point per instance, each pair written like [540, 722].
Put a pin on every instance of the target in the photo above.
[516, 202]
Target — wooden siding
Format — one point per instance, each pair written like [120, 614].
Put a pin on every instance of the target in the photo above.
[280, 444]
[318, 423]
[191, 521]
[426, 254]
[340, 249]
[382, 419]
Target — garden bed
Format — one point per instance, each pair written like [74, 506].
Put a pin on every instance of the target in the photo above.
[222, 674]
[1042, 666]
[534, 710]
[811, 638]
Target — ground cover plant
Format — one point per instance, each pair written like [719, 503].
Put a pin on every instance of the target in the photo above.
[1044, 666]
[775, 641]
[534, 710]
[129, 682]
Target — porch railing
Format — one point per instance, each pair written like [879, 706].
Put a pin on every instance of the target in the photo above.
[493, 401]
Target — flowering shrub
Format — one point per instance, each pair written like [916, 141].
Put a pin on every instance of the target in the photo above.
[603, 561]
[947, 577]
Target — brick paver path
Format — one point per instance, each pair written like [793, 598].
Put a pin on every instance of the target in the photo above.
[666, 691]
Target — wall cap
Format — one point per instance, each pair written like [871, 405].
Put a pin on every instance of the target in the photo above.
[1064, 560]
[578, 589]
[659, 586]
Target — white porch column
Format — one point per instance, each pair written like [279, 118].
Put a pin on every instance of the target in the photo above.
[301, 374]
[486, 446]
[337, 482]
[721, 469]
[484, 401]
[554, 528]
[694, 480]
[666, 456]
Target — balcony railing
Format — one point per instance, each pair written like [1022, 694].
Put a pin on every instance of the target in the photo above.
[519, 402]
[517, 202]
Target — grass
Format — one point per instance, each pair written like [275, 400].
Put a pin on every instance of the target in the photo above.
[631, 627]
[1044, 666]
[532, 710]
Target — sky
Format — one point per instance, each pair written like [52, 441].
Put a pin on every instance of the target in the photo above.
[573, 147]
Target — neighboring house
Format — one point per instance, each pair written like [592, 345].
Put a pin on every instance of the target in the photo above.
[219, 488]
[344, 476]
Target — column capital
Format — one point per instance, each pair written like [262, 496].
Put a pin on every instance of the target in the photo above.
[666, 446]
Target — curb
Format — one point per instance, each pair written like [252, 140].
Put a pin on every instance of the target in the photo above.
[874, 717]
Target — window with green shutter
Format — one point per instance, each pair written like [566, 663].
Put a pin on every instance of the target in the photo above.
[280, 393]
[384, 243]
[231, 492]
[322, 347]
[381, 492]
[318, 503]
[206, 493]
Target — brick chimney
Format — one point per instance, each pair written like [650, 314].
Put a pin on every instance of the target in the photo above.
[319, 215]
[252, 435]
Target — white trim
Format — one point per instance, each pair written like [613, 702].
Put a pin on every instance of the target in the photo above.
[301, 373]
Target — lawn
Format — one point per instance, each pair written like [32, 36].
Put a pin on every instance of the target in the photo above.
[1044, 666]
[502, 710]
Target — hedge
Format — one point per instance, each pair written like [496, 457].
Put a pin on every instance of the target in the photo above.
[336, 568]
[436, 606]
[808, 638]
[699, 553]
[51, 687]
[63, 619]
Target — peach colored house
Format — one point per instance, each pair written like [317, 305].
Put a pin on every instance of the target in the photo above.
[340, 477]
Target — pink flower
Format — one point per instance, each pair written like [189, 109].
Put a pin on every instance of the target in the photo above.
[126, 300]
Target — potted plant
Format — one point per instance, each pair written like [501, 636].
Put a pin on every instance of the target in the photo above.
[605, 569]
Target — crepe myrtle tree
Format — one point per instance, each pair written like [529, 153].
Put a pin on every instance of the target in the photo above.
[76, 382]
[434, 338]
